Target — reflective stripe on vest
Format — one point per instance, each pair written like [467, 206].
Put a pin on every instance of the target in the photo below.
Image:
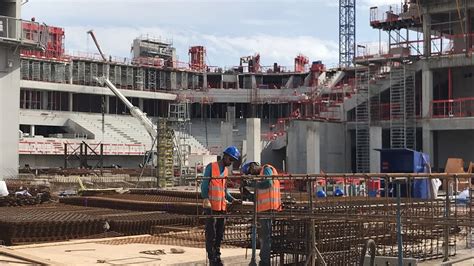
[217, 188]
[269, 198]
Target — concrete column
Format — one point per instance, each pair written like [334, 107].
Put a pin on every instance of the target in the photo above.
[222, 82]
[230, 115]
[253, 137]
[70, 72]
[44, 100]
[428, 142]
[140, 103]
[107, 104]
[32, 130]
[226, 135]
[204, 80]
[426, 34]
[253, 81]
[313, 149]
[375, 143]
[426, 92]
[71, 101]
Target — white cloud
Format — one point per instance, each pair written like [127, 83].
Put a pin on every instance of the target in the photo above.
[222, 50]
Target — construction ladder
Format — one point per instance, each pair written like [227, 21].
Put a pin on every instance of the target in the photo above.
[402, 108]
[362, 117]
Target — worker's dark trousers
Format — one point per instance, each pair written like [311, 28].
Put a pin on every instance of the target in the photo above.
[214, 236]
[265, 238]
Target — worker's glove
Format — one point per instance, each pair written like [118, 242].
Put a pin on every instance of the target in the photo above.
[237, 201]
[206, 204]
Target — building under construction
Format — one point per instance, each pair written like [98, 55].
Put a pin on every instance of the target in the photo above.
[389, 123]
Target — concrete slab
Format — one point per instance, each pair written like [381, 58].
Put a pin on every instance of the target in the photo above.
[91, 252]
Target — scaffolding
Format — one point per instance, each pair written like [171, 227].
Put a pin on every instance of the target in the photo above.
[151, 84]
[60, 73]
[139, 78]
[35, 70]
[129, 79]
[81, 72]
[178, 115]
[118, 76]
[94, 72]
[362, 116]
[402, 108]
[165, 147]
[25, 69]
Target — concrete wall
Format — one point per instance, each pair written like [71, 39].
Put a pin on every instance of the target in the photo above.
[314, 146]
[9, 110]
[454, 143]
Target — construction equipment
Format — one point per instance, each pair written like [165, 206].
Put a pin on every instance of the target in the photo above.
[134, 111]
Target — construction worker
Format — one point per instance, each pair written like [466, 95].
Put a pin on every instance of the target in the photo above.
[215, 194]
[268, 199]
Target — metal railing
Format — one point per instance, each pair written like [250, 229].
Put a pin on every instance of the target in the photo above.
[25, 32]
[462, 107]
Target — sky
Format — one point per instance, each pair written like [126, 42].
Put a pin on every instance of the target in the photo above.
[229, 29]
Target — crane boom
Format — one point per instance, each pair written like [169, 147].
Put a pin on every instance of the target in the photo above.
[134, 111]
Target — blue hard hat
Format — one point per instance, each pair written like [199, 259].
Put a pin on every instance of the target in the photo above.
[245, 169]
[321, 194]
[233, 152]
[338, 192]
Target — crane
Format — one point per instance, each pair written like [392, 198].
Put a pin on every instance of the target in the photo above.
[136, 112]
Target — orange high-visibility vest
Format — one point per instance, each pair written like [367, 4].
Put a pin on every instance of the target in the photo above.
[217, 188]
[269, 198]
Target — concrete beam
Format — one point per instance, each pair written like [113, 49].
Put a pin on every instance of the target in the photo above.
[461, 123]
[458, 60]
[48, 86]
[440, 6]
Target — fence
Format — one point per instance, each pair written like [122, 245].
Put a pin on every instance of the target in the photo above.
[421, 224]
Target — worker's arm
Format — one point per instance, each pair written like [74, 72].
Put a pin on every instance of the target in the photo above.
[228, 196]
[264, 184]
[205, 182]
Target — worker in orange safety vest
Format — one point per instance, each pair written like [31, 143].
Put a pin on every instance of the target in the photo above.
[215, 197]
[268, 199]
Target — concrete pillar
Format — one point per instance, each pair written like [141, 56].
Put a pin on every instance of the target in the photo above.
[428, 142]
[426, 34]
[222, 82]
[426, 92]
[253, 137]
[204, 80]
[70, 72]
[375, 143]
[226, 135]
[230, 115]
[253, 81]
[71, 101]
[44, 100]
[140, 103]
[313, 149]
[32, 130]
[107, 104]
